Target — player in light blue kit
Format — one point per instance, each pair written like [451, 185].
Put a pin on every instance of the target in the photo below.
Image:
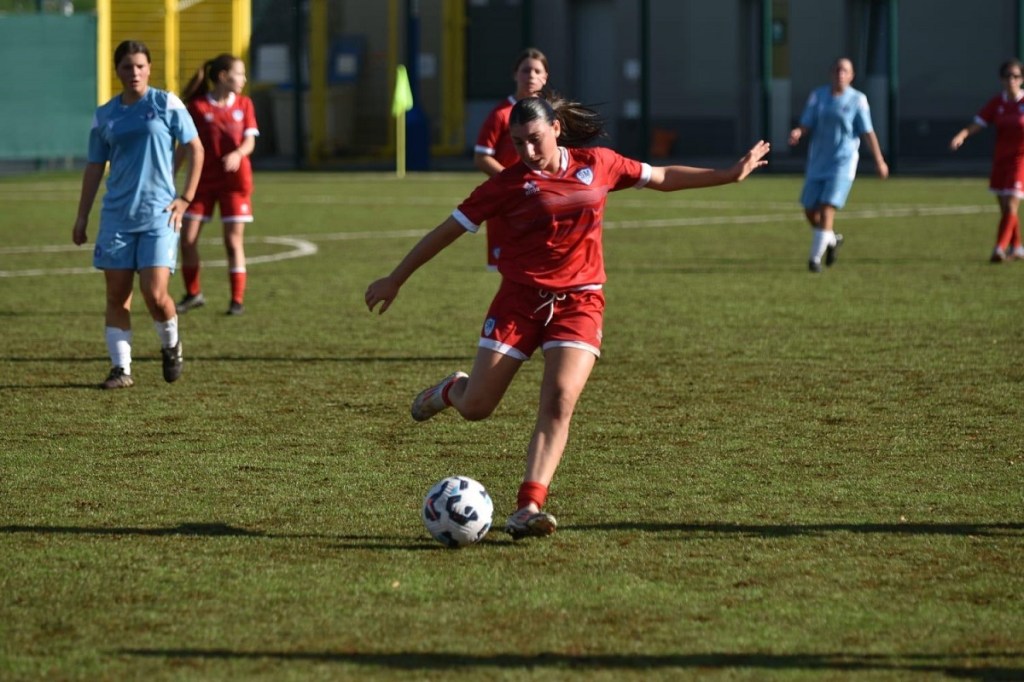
[837, 117]
[136, 133]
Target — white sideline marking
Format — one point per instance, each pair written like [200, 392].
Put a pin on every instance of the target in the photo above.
[303, 244]
[300, 248]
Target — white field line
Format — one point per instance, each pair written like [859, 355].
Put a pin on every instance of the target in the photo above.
[299, 249]
[303, 244]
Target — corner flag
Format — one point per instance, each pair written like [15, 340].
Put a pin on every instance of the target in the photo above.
[401, 103]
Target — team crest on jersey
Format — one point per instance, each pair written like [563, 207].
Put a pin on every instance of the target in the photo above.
[585, 175]
[237, 114]
[150, 115]
[489, 324]
[530, 188]
[208, 117]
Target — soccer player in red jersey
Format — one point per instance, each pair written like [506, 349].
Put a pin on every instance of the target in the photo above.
[494, 151]
[1005, 112]
[227, 127]
[552, 269]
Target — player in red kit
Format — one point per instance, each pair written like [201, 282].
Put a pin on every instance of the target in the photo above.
[494, 150]
[227, 127]
[1004, 112]
[552, 269]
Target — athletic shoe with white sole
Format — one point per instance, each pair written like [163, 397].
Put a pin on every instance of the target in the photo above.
[190, 302]
[830, 252]
[117, 379]
[430, 401]
[527, 523]
[172, 362]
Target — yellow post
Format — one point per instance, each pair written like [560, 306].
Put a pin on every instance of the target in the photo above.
[103, 55]
[241, 29]
[317, 81]
[453, 95]
[172, 45]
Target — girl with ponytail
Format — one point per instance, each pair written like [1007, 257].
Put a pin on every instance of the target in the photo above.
[226, 121]
[552, 274]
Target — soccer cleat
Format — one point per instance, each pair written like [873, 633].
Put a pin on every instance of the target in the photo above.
[172, 361]
[527, 523]
[813, 267]
[190, 302]
[235, 308]
[830, 252]
[430, 401]
[1016, 254]
[998, 256]
[117, 379]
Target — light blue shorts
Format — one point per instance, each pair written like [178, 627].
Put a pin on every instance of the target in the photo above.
[155, 247]
[831, 191]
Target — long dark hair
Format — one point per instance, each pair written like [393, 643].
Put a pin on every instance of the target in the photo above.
[581, 125]
[205, 75]
[127, 47]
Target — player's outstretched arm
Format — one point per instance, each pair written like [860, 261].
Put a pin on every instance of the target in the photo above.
[672, 178]
[385, 289]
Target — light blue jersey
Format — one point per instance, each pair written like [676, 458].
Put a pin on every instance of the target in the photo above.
[138, 141]
[835, 123]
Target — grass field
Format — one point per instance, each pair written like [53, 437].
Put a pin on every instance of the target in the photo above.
[772, 474]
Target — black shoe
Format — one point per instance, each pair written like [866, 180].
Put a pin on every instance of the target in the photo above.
[190, 302]
[235, 308]
[830, 252]
[117, 379]
[172, 362]
[813, 267]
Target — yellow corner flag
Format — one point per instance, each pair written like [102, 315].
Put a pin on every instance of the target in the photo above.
[401, 103]
[403, 93]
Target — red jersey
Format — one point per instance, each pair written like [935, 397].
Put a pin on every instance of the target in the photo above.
[552, 237]
[1008, 119]
[493, 139]
[222, 130]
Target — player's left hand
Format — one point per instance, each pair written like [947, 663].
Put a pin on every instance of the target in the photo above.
[752, 160]
[232, 161]
[177, 209]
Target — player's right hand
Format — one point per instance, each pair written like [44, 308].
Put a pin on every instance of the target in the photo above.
[383, 291]
[78, 232]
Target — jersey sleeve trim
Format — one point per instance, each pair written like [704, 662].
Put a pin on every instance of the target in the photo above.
[645, 175]
[980, 121]
[467, 224]
[487, 151]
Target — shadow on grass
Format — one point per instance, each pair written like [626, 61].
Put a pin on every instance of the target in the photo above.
[787, 530]
[251, 358]
[703, 529]
[212, 530]
[967, 666]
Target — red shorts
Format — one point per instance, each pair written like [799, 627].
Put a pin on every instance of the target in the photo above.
[523, 318]
[235, 206]
[1007, 178]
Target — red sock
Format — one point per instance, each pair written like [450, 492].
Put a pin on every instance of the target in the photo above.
[191, 277]
[1006, 225]
[237, 285]
[531, 491]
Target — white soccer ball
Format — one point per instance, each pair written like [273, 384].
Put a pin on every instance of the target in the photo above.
[457, 511]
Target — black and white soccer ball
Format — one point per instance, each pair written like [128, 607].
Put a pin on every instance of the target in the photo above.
[457, 511]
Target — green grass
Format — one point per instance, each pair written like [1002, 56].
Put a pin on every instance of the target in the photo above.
[771, 475]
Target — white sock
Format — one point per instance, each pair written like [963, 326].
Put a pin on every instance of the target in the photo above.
[119, 347]
[167, 332]
[820, 240]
